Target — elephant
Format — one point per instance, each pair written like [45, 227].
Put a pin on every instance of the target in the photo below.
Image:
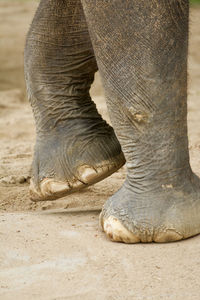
[140, 49]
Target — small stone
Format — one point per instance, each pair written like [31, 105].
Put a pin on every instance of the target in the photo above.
[21, 179]
[12, 180]
[157, 267]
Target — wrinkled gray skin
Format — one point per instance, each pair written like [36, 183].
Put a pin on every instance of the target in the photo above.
[141, 51]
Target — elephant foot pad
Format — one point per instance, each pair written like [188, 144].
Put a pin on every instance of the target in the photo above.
[118, 233]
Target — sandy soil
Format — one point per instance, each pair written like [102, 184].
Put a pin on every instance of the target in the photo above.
[55, 250]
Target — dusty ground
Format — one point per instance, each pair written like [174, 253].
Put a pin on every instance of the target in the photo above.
[55, 250]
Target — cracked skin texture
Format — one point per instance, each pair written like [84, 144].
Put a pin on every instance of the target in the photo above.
[141, 51]
[75, 147]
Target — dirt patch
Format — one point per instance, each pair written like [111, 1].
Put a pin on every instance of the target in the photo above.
[55, 250]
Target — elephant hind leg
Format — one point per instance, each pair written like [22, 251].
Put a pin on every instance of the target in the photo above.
[74, 147]
[142, 58]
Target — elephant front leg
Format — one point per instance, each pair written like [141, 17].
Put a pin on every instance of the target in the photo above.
[141, 49]
[74, 146]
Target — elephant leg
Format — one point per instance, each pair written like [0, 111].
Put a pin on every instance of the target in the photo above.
[141, 50]
[74, 147]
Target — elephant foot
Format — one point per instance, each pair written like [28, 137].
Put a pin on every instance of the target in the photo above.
[168, 215]
[73, 158]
